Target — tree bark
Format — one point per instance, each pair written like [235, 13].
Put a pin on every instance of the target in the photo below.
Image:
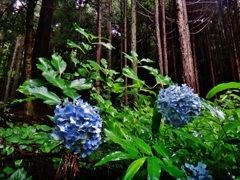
[11, 68]
[134, 38]
[17, 68]
[28, 49]
[158, 38]
[99, 46]
[41, 45]
[125, 39]
[185, 44]
[164, 37]
[109, 23]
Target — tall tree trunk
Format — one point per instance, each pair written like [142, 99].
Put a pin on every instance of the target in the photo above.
[109, 23]
[79, 36]
[164, 37]
[99, 46]
[41, 45]
[11, 68]
[17, 68]
[210, 57]
[195, 64]
[28, 49]
[185, 44]
[125, 39]
[158, 37]
[134, 38]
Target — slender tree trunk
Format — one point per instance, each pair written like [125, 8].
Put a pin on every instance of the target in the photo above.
[134, 38]
[17, 68]
[125, 39]
[185, 44]
[28, 49]
[79, 34]
[109, 54]
[164, 37]
[41, 45]
[195, 64]
[9, 76]
[210, 57]
[158, 37]
[99, 46]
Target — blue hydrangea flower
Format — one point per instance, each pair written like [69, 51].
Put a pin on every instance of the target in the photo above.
[197, 173]
[78, 126]
[178, 104]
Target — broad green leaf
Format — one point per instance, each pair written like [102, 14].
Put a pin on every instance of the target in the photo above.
[118, 88]
[142, 145]
[44, 64]
[10, 149]
[222, 87]
[161, 150]
[146, 60]
[95, 65]
[43, 127]
[70, 92]
[189, 136]
[18, 175]
[98, 98]
[59, 64]
[129, 146]
[104, 63]
[47, 96]
[127, 71]
[51, 77]
[80, 84]
[154, 168]
[134, 167]
[173, 171]
[116, 156]
[112, 136]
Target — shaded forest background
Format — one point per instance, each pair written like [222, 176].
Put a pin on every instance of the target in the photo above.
[30, 29]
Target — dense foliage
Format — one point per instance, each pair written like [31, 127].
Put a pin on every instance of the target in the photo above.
[135, 136]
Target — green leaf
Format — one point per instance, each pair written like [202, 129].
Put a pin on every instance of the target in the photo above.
[127, 71]
[156, 119]
[161, 150]
[222, 87]
[95, 65]
[104, 63]
[8, 170]
[47, 96]
[116, 156]
[133, 168]
[44, 64]
[43, 127]
[80, 84]
[59, 64]
[142, 145]
[69, 92]
[51, 76]
[154, 169]
[129, 146]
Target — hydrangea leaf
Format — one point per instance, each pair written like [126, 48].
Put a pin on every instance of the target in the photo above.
[43, 93]
[59, 64]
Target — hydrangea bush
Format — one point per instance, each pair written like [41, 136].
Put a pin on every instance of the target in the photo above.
[178, 104]
[78, 126]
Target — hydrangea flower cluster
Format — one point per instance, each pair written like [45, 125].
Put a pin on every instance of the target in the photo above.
[178, 104]
[197, 173]
[78, 126]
